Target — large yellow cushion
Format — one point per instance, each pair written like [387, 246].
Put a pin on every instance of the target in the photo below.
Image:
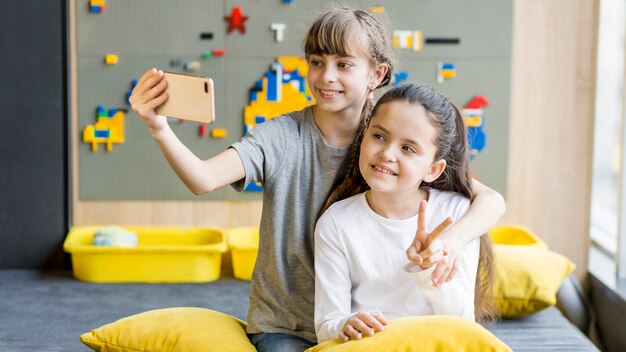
[528, 275]
[433, 333]
[171, 330]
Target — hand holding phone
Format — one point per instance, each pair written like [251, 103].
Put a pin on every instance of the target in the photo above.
[189, 97]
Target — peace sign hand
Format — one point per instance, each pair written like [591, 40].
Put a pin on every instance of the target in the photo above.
[427, 249]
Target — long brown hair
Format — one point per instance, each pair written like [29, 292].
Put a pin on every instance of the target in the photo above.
[452, 146]
[337, 31]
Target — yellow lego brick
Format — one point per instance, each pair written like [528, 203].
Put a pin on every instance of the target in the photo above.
[472, 121]
[219, 133]
[96, 2]
[448, 74]
[417, 41]
[377, 9]
[111, 59]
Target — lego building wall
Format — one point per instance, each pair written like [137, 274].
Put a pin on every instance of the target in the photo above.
[150, 33]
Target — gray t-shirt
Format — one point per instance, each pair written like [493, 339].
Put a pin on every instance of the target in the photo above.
[288, 155]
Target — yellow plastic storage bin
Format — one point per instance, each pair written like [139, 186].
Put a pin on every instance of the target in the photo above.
[516, 236]
[163, 254]
[244, 246]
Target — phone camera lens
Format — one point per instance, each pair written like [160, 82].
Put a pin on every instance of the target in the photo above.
[206, 87]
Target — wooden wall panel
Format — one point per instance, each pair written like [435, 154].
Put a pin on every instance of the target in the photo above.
[551, 122]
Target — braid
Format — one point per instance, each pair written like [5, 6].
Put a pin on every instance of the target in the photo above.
[352, 183]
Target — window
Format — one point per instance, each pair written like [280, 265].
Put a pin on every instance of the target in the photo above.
[608, 203]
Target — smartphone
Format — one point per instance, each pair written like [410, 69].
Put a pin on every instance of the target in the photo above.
[189, 98]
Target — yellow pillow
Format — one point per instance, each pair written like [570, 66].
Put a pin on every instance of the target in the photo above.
[438, 333]
[527, 279]
[515, 235]
[171, 330]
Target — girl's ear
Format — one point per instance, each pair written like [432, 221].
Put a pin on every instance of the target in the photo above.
[378, 75]
[436, 169]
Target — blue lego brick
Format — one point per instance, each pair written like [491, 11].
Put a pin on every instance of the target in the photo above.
[253, 187]
[128, 94]
[102, 133]
[259, 119]
[477, 139]
[447, 66]
[399, 77]
[101, 112]
[97, 9]
[253, 95]
[272, 86]
[258, 85]
[112, 112]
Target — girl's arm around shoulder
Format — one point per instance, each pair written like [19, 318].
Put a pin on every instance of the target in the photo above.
[484, 212]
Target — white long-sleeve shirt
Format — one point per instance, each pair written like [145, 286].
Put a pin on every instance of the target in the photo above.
[361, 265]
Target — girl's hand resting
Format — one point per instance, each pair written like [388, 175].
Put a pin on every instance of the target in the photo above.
[427, 249]
[148, 94]
[362, 324]
[449, 266]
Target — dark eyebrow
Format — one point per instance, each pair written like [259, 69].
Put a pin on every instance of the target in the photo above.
[410, 141]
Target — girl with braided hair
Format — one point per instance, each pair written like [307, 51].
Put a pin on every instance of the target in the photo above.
[413, 151]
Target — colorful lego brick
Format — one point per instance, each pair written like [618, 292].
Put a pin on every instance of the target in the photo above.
[207, 55]
[443, 41]
[133, 84]
[101, 112]
[206, 35]
[192, 66]
[111, 59]
[175, 63]
[377, 9]
[399, 77]
[96, 6]
[407, 40]
[202, 130]
[108, 129]
[282, 89]
[236, 20]
[474, 119]
[445, 70]
[254, 187]
[278, 28]
[219, 133]
[218, 52]
[287, 1]
[477, 102]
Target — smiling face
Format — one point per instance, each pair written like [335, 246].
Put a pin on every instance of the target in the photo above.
[398, 149]
[341, 83]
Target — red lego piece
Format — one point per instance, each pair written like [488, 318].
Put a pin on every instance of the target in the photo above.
[236, 20]
[202, 130]
[477, 102]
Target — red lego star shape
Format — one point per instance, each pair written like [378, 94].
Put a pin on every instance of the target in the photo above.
[236, 20]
